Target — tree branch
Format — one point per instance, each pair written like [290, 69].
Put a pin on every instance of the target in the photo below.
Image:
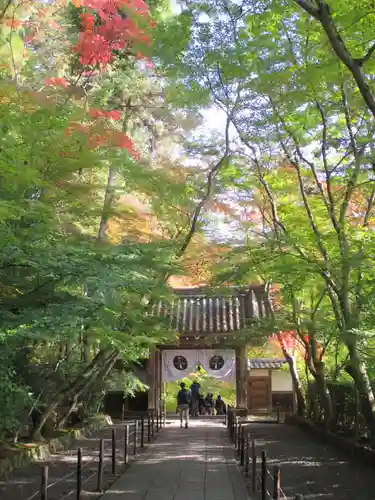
[200, 206]
[110, 189]
[331, 202]
[314, 309]
[309, 213]
[277, 223]
[370, 204]
[359, 301]
[314, 227]
[4, 11]
[348, 122]
[210, 184]
[323, 14]
[367, 56]
[308, 7]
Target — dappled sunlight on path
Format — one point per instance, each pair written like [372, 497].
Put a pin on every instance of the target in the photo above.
[310, 467]
[184, 464]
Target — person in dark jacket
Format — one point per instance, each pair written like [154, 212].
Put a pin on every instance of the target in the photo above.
[209, 403]
[194, 390]
[183, 402]
[220, 406]
[201, 405]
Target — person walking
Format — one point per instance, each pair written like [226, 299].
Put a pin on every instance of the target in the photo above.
[195, 395]
[183, 402]
[209, 403]
[220, 406]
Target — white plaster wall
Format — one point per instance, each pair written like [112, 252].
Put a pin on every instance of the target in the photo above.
[281, 381]
[258, 372]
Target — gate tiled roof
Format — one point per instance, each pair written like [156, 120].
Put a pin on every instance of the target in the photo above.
[268, 363]
[202, 311]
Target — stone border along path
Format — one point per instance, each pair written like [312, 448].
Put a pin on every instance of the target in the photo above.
[184, 464]
[24, 483]
[309, 467]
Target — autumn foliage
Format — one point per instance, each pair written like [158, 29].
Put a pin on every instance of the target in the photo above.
[287, 340]
[109, 25]
[107, 29]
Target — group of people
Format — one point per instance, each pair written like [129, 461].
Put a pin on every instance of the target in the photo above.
[192, 402]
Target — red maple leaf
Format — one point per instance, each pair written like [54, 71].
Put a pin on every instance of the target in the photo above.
[100, 113]
[88, 21]
[98, 41]
[287, 339]
[94, 50]
[97, 141]
[57, 82]
[77, 127]
[119, 139]
[13, 23]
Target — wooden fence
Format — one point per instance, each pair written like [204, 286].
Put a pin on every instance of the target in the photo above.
[265, 484]
[140, 430]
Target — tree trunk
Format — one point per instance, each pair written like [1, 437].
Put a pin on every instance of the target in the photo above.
[311, 395]
[61, 422]
[301, 405]
[357, 370]
[108, 200]
[69, 349]
[62, 350]
[70, 388]
[324, 394]
[86, 349]
[102, 374]
[317, 369]
[310, 400]
[36, 431]
[110, 190]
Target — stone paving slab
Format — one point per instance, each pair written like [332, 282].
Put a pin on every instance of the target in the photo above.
[184, 464]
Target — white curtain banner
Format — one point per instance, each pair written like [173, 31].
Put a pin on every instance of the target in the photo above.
[218, 363]
[178, 364]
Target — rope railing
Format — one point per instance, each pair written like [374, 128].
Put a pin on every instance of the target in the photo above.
[256, 471]
[137, 431]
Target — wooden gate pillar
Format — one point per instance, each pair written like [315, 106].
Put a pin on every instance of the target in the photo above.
[157, 378]
[242, 377]
[153, 376]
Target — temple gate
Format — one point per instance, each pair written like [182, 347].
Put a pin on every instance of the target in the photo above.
[205, 320]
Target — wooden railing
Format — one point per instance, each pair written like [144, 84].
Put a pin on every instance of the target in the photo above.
[265, 483]
[90, 475]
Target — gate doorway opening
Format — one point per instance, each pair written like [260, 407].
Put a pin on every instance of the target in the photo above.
[208, 386]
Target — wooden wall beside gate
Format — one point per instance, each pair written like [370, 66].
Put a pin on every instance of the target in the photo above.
[259, 393]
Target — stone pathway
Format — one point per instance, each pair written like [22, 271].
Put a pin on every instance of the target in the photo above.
[184, 464]
[311, 468]
[198, 464]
